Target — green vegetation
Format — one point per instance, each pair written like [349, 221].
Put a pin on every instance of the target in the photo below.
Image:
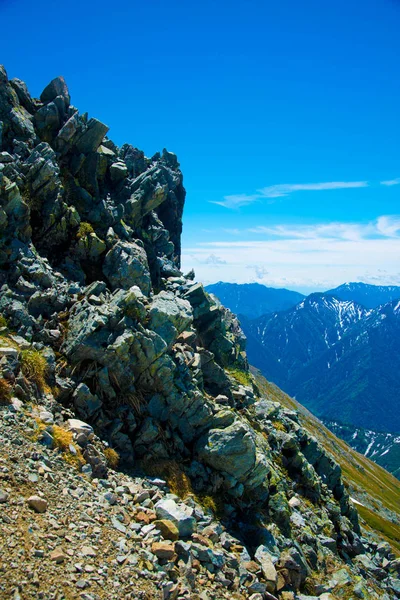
[242, 377]
[388, 530]
[34, 366]
[84, 230]
[3, 321]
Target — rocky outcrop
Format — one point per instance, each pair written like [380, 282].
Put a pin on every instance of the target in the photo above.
[142, 355]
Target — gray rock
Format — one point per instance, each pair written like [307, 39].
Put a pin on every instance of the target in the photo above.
[126, 265]
[169, 316]
[86, 403]
[92, 137]
[37, 503]
[3, 496]
[80, 428]
[265, 559]
[231, 449]
[181, 515]
[56, 87]
[118, 171]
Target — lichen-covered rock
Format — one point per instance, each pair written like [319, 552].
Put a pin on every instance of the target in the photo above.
[169, 316]
[231, 449]
[126, 265]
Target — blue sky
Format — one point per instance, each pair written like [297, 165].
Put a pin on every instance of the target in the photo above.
[284, 116]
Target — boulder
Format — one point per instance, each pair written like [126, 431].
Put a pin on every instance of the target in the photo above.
[125, 265]
[38, 504]
[86, 403]
[169, 316]
[92, 137]
[168, 529]
[181, 515]
[79, 428]
[231, 449]
[56, 87]
[263, 557]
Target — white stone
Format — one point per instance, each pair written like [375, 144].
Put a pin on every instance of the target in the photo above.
[80, 427]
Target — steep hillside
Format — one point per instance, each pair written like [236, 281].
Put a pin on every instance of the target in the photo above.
[370, 296]
[382, 448]
[375, 491]
[111, 356]
[253, 299]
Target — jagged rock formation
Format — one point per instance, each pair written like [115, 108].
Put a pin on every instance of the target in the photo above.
[89, 259]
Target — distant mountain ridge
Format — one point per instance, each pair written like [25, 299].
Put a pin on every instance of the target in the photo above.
[338, 358]
[370, 296]
[253, 299]
[382, 448]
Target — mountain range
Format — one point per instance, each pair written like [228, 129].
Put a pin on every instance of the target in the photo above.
[337, 356]
[253, 299]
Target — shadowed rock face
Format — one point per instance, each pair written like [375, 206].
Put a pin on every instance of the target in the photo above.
[89, 264]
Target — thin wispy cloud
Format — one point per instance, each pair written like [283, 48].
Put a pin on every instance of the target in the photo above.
[213, 259]
[237, 200]
[390, 182]
[319, 255]
[285, 189]
[338, 231]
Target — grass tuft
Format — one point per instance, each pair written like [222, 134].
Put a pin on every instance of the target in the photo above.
[241, 376]
[34, 367]
[84, 230]
[279, 426]
[112, 457]
[3, 321]
[62, 438]
[177, 480]
[5, 392]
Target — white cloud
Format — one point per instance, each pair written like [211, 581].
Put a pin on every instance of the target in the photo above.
[390, 182]
[213, 259]
[284, 189]
[237, 200]
[389, 225]
[344, 231]
[260, 271]
[305, 256]
[233, 231]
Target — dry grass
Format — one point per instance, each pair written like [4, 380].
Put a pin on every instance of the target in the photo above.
[178, 482]
[279, 426]
[34, 367]
[5, 392]
[112, 457]
[62, 438]
[135, 401]
[71, 452]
